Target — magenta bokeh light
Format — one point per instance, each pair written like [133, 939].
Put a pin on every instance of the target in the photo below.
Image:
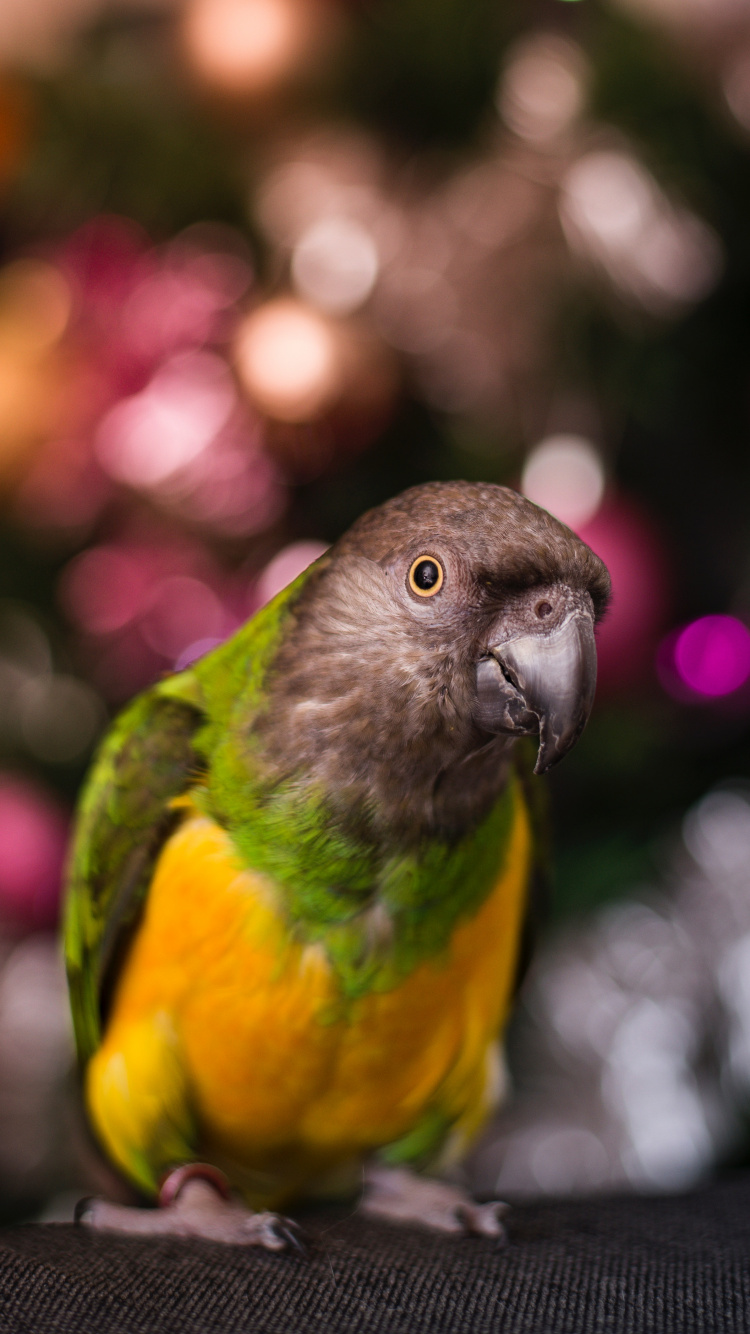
[33, 835]
[712, 655]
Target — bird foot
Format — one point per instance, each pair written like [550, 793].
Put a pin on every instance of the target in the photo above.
[396, 1194]
[194, 1202]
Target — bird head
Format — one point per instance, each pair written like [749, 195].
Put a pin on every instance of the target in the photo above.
[451, 617]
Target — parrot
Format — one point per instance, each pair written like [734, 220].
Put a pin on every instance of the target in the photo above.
[303, 870]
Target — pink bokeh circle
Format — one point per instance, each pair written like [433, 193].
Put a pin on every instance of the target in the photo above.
[33, 837]
[712, 655]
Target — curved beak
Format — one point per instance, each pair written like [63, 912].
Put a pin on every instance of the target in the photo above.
[541, 683]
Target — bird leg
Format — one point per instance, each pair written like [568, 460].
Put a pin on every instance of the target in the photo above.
[195, 1201]
[399, 1195]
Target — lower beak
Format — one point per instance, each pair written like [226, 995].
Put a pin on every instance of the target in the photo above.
[541, 684]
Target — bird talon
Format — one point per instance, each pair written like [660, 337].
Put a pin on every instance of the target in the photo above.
[484, 1220]
[292, 1235]
[82, 1209]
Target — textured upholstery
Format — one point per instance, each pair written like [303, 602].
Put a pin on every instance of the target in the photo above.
[676, 1265]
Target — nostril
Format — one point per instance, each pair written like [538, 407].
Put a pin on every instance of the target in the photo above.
[544, 609]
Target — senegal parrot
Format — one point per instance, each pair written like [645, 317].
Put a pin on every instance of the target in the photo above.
[301, 874]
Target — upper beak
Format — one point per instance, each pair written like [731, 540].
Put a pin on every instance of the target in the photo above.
[541, 683]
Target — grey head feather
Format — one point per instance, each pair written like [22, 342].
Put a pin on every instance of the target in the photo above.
[372, 694]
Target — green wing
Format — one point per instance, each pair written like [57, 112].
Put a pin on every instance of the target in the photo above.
[158, 745]
[124, 818]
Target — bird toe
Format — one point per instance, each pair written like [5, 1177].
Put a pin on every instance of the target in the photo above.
[484, 1220]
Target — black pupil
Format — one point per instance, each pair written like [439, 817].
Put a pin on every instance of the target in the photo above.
[426, 574]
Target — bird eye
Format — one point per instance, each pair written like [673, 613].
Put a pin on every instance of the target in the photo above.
[426, 576]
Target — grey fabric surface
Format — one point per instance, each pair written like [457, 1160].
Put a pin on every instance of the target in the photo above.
[632, 1265]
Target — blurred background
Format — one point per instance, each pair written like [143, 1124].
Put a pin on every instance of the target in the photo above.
[264, 263]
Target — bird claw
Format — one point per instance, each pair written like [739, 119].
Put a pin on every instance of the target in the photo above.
[291, 1235]
[484, 1220]
[402, 1196]
[198, 1211]
[83, 1208]
[273, 1232]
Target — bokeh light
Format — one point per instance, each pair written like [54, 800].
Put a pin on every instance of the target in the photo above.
[35, 300]
[542, 89]
[25, 649]
[612, 209]
[289, 360]
[716, 833]
[35, 400]
[736, 87]
[180, 304]
[246, 46]
[335, 264]
[285, 567]
[147, 438]
[140, 604]
[232, 488]
[33, 836]
[104, 589]
[712, 655]
[60, 718]
[182, 610]
[564, 474]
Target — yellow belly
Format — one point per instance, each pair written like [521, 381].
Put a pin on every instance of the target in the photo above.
[228, 1028]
